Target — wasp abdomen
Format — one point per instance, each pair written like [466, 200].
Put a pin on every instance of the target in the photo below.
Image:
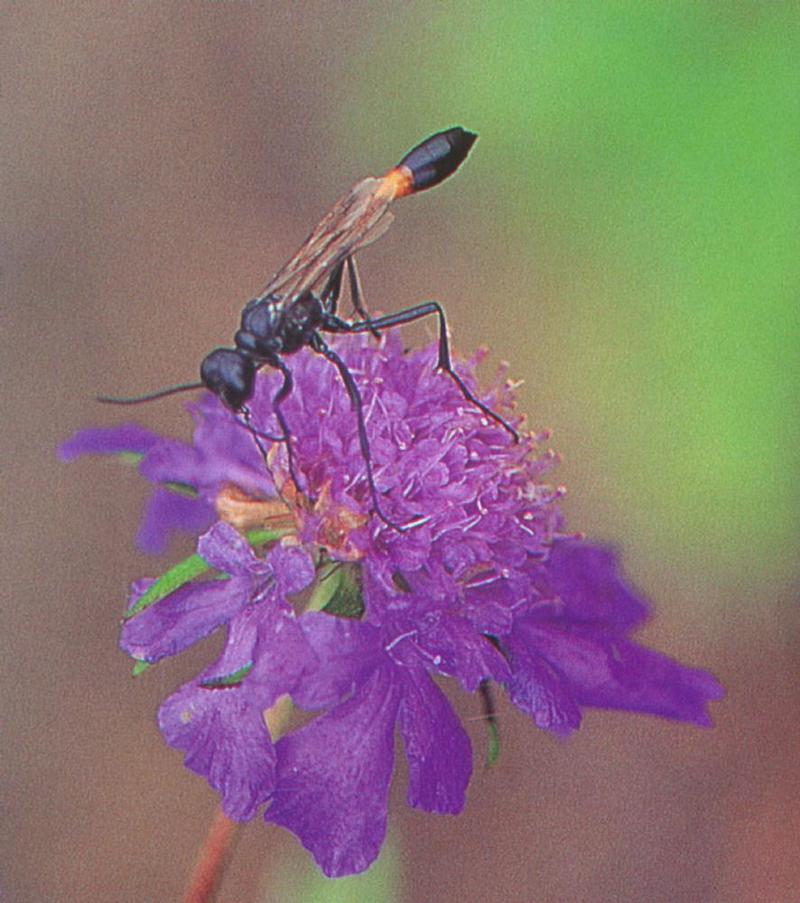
[437, 157]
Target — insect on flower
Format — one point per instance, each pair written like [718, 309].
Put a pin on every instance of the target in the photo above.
[300, 301]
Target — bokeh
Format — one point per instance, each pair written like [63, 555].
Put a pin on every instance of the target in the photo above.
[625, 234]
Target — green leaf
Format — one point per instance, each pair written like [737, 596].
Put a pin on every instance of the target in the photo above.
[262, 537]
[189, 569]
[327, 581]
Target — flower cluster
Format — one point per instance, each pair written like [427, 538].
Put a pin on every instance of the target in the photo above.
[327, 604]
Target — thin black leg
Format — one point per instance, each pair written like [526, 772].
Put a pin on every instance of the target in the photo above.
[319, 345]
[333, 288]
[336, 324]
[277, 400]
[247, 423]
[357, 293]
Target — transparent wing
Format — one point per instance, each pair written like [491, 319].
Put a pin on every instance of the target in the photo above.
[356, 220]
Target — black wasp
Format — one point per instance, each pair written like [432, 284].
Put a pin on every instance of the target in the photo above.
[299, 303]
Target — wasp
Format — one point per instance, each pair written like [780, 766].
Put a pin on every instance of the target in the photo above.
[299, 304]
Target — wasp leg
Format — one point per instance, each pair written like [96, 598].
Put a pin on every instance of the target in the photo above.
[329, 296]
[320, 346]
[277, 400]
[336, 324]
[357, 293]
[247, 423]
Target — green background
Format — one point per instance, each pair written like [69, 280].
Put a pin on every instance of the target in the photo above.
[642, 159]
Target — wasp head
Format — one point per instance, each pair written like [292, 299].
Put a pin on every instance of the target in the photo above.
[230, 375]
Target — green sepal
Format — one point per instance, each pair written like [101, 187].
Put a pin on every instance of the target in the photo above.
[327, 581]
[141, 666]
[490, 717]
[228, 680]
[262, 537]
[184, 489]
[493, 749]
[187, 570]
[130, 457]
[182, 573]
[347, 598]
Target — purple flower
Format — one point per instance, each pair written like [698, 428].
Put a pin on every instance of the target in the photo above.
[337, 804]
[482, 585]
[192, 481]
[217, 718]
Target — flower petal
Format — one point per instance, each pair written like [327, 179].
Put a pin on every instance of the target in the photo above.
[292, 567]
[173, 461]
[226, 741]
[227, 452]
[114, 440]
[614, 673]
[586, 578]
[181, 618]
[437, 747]
[458, 650]
[225, 549]
[282, 654]
[346, 652]
[167, 511]
[333, 778]
[539, 690]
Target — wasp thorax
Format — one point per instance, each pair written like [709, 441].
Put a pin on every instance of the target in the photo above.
[261, 317]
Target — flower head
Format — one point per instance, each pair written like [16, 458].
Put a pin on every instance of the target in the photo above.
[482, 585]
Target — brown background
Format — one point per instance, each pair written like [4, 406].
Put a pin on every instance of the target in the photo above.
[160, 161]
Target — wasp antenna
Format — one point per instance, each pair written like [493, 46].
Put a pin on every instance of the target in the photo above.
[152, 396]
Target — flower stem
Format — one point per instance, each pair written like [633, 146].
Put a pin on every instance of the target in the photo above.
[212, 860]
[214, 855]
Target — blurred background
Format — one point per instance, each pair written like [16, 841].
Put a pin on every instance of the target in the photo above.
[625, 234]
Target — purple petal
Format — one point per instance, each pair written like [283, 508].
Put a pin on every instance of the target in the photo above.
[457, 649]
[173, 461]
[333, 779]
[227, 451]
[111, 441]
[239, 651]
[225, 741]
[225, 549]
[292, 567]
[614, 673]
[437, 747]
[346, 652]
[182, 618]
[282, 654]
[586, 578]
[539, 690]
[167, 511]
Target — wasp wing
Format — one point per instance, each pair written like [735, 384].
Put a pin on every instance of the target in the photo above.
[356, 220]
